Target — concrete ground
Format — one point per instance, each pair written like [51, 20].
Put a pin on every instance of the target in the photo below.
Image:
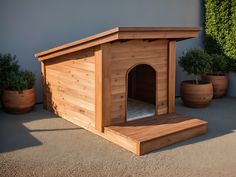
[40, 144]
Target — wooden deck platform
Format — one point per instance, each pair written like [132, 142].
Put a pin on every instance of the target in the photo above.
[147, 134]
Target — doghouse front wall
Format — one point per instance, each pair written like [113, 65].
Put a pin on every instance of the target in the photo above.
[89, 87]
[124, 56]
[69, 88]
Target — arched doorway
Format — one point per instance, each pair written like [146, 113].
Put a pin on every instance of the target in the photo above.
[141, 98]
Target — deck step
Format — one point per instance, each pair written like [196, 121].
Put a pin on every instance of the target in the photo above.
[148, 134]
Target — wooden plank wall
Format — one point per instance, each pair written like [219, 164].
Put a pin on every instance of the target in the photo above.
[70, 86]
[125, 55]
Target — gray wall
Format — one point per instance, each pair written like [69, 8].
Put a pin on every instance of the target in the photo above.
[31, 26]
[232, 84]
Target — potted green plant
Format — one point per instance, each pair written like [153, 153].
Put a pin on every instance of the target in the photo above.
[218, 75]
[196, 93]
[19, 95]
[17, 92]
[8, 63]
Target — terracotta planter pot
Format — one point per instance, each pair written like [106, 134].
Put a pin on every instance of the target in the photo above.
[196, 96]
[18, 103]
[220, 84]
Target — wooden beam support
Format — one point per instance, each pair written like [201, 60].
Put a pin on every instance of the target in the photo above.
[98, 89]
[106, 92]
[103, 84]
[43, 72]
[171, 76]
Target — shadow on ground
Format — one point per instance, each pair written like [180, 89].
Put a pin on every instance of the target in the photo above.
[14, 135]
[220, 115]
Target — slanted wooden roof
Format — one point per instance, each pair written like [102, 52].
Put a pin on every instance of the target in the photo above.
[121, 33]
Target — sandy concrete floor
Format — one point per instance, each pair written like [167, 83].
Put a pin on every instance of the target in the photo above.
[40, 144]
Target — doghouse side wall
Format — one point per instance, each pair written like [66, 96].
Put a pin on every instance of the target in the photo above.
[69, 86]
[125, 55]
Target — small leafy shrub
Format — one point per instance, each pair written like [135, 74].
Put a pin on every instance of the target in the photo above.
[197, 62]
[19, 81]
[8, 64]
[219, 64]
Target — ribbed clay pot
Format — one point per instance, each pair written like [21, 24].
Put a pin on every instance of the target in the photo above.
[196, 95]
[18, 103]
[220, 84]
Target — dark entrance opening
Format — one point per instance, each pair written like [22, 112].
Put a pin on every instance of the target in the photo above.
[141, 92]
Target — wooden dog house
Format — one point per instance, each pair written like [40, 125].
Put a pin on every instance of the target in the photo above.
[89, 81]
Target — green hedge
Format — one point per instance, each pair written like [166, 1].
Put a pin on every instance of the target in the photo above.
[220, 27]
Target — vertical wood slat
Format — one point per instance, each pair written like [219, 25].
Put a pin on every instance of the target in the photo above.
[171, 76]
[98, 89]
[106, 72]
[103, 87]
[43, 72]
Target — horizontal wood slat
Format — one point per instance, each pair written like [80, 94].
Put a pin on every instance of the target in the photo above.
[155, 132]
[124, 56]
[70, 86]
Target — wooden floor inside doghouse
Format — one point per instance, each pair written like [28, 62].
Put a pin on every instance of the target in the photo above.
[147, 134]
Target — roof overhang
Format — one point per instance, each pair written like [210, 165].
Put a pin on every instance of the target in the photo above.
[121, 33]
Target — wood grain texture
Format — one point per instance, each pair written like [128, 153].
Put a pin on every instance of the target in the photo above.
[125, 56]
[171, 76]
[145, 135]
[103, 91]
[86, 82]
[106, 84]
[98, 89]
[43, 72]
[121, 33]
[79, 47]
[70, 86]
[78, 42]
[171, 34]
